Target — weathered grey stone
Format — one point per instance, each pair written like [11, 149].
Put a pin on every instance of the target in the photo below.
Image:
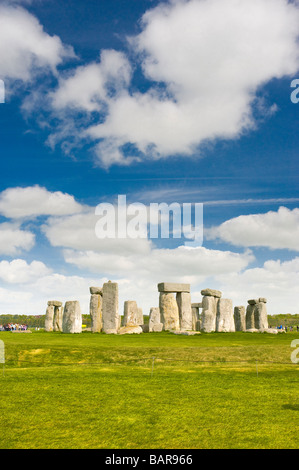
[195, 316]
[145, 328]
[197, 305]
[72, 317]
[272, 331]
[198, 325]
[253, 301]
[185, 312]
[173, 287]
[49, 318]
[111, 318]
[96, 290]
[130, 313]
[169, 311]
[55, 303]
[208, 315]
[129, 330]
[57, 321]
[225, 316]
[154, 317]
[263, 299]
[239, 317]
[211, 293]
[252, 330]
[157, 328]
[260, 316]
[186, 333]
[250, 323]
[140, 319]
[96, 313]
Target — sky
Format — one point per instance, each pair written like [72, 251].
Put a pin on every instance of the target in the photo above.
[179, 101]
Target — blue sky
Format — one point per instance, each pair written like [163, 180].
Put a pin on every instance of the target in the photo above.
[179, 101]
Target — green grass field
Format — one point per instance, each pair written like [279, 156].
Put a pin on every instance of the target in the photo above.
[98, 391]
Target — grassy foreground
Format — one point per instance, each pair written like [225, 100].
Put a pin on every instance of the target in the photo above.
[100, 391]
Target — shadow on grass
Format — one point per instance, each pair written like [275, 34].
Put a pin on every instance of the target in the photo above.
[291, 407]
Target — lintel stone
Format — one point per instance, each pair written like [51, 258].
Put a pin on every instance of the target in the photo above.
[173, 287]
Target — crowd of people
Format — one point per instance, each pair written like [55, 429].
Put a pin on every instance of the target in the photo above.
[13, 327]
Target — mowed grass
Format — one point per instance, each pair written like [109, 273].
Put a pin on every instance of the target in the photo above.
[104, 391]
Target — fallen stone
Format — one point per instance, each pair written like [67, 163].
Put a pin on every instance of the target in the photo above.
[96, 290]
[252, 330]
[129, 330]
[173, 287]
[272, 331]
[169, 311]
[72, 317]
[211, 293]
[186, 333]
[239, 318]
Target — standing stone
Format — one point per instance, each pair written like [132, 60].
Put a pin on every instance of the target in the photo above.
[57, 321]
[169, 311]
[185, 311]
[49, 318]
[111, 318]
[95, 311]
[250, 323]
[130, 313]
[154, 317]
[72, 317]
[260, 316]
[239, 317]
[140, 319]
[225, 317]
[208, 316]
[196, 323]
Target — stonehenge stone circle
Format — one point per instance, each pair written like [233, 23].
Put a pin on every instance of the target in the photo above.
[111, 318]
[256, 314]
[225, 317]
[72, 317]
[239, 317]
